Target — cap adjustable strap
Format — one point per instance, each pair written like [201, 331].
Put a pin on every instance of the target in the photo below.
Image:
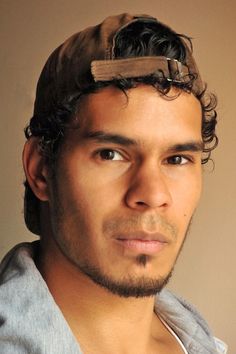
[107, 70]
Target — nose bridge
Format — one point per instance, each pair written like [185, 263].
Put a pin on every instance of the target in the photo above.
[149, 187]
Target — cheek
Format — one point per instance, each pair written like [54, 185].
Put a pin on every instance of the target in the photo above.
[98, 192]
[186, 195]
[84, 199]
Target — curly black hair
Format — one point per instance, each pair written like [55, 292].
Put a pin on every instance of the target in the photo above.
[136, 40]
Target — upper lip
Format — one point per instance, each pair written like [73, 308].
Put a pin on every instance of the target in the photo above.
[144, 236]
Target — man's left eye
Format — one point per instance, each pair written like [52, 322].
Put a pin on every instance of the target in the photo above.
[108, 154]
[177, 160]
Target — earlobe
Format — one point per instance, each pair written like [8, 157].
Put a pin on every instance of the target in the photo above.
[35, 168]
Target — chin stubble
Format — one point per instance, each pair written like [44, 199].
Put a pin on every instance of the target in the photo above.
[129, 286]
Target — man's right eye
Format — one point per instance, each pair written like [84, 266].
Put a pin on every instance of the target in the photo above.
[109, 154]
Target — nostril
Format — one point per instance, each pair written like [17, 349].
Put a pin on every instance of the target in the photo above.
[140, 203]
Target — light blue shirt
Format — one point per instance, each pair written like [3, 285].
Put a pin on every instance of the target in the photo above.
[32, 323]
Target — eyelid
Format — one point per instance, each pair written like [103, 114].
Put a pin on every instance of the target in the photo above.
[123, 157]
[187, 157]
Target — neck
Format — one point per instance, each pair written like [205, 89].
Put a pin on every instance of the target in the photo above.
[114, 322]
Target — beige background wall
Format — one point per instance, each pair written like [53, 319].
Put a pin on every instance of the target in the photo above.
[30, 29]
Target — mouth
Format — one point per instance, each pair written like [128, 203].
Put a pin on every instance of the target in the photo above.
[142, 242]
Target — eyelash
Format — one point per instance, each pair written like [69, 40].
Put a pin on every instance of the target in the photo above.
[99, 152]
[185, 157]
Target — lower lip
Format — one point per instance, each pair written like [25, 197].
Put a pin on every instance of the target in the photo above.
[142, 246]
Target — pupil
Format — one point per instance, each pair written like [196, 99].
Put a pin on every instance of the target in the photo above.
[107, 154]
[177, 159]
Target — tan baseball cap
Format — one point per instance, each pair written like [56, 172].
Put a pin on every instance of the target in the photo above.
[88, 56]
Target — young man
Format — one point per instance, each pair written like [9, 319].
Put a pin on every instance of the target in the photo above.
[120, 129]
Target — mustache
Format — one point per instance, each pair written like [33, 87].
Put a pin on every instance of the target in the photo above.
[148, 223]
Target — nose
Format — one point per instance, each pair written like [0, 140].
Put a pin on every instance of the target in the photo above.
[149, 189]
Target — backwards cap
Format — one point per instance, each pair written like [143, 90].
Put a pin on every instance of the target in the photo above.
[88, 56]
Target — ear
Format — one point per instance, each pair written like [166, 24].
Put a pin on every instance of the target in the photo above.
[35, 168]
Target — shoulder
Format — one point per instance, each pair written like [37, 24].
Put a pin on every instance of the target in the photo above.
[30, 320]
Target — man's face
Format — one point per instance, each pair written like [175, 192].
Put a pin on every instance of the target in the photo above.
[127, 183]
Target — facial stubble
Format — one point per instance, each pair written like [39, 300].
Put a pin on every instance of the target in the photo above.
[129, 285]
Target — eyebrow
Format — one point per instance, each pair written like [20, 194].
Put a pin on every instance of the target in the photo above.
[194, 146]
[103, 137]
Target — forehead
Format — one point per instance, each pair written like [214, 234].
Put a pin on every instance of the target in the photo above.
[142, 113]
